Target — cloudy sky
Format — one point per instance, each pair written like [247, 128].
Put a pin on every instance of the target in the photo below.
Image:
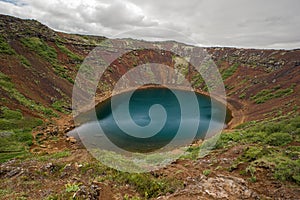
[241, 23]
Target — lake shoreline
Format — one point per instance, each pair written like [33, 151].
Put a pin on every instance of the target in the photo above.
[232, 118]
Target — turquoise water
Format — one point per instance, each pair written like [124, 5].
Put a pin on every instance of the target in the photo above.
[141, 102]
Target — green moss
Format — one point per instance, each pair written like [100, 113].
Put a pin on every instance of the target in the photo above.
[8, 86]
[206, 172]
[288, 170]
[24, 61]
[267, 94]
[266, 148]
[192, 153]
[279, 139]
[48, 53]
[15, 144]
[5, 48]
[41, 48]
[253, 153]
[69, 53]
[13, 119]
[8, 114]
[228, 139]
[61, 106]
[229, 71]
[147, 185]
[5, 82]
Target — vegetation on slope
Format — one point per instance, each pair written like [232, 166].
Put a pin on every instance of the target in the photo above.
[273, 146]
[48, 53]
[5, 47]
[15, 133]
[229, 71]
[8, 86]
[74, 57]
[276, 92]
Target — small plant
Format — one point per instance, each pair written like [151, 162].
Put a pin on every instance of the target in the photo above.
[288, 170]
[252, 179]
[72, 187]
[251, 169]
[242, 96]
[191, 153]
[60, 106]
[206, 172]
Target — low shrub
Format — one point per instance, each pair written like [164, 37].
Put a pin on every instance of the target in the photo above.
[279, 139]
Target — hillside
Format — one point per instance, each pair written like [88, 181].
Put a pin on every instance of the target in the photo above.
[38, 67]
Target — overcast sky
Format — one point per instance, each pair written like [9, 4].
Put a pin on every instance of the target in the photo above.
[241, 23]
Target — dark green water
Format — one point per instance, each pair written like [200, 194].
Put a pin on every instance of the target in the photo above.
[140, 103]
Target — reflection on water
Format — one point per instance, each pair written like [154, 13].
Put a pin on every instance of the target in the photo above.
[140, 103]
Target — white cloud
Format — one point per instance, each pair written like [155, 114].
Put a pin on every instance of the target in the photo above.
[242, 23]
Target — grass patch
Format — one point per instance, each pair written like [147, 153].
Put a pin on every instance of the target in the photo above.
[24, 61]
[57, 155]
[192, 153]
[76, 58]
[13, 119]
[229, 71]
[8, 86]
[267, 148]
[206, 172]
[8, 114]
[15, 133]
[15, 144]
[61, 106]
[276, 92]
[41, 48]
[48, 53]
[5, 48]
[147, 185]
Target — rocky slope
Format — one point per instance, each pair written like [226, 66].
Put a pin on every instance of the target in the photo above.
[42, 65]
[37, 71]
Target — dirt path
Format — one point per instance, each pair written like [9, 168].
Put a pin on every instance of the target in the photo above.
[237, 112]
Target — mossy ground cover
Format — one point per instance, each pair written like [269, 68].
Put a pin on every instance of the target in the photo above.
[276, 92]
[74, 57]
[7, 85]
[49, 54]
[5, 48]
[272, 145]
[229, 71]
[15, 133]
